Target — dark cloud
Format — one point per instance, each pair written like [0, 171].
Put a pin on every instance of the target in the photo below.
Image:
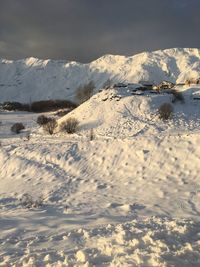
[83, 30]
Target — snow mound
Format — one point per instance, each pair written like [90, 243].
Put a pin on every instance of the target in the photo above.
[119, 114]
[35, 79]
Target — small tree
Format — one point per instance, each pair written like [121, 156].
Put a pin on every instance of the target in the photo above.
[83, 93]
[41, 120]
[165, 111]
[70, 125]
[50, 126]
[177, 97]
[17, 127]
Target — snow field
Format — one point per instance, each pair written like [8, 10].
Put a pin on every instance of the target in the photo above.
[130, 197]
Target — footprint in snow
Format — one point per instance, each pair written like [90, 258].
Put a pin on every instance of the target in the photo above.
[102, 186]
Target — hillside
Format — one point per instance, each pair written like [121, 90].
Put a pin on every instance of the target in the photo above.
[34, 79]
[116, 112]
[128, 197]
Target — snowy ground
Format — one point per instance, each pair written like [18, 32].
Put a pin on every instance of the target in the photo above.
[130, 197]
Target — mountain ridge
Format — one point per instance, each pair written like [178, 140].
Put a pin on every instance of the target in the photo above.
[35, 79]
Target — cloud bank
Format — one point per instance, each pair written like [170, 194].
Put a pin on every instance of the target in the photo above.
[84, 30]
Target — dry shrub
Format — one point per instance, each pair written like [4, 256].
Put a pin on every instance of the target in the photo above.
[177, 97]
[69, 126]
[17, 127]
[39, 106]
[50, 126]
[42, 120]
[165, 111]
[83, 93]
[92, 136]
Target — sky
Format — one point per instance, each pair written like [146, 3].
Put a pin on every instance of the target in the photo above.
[84, 30]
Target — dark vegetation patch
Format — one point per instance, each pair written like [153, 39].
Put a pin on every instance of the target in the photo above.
[177, 97]
[165, 111]
[51, 105]
[50, 126]
[69, 126]
[17, 127]
[39, 106]
[83, 93]
[42, 120]
[14, 106]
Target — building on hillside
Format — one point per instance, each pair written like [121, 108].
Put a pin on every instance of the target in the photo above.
[165, 85]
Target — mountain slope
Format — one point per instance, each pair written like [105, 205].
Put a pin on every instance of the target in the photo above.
[34, 79]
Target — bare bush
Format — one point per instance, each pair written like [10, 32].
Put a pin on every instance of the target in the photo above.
[177, 97]
[69, 126]
[17, 127]
[165, 111]
[92, 136]
[50, 126]
[42, 120]
[83, 93]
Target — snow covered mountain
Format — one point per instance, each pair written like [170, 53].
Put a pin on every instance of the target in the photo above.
[34, 79]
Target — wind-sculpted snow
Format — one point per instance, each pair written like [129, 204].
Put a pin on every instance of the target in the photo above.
[34, 79]
[129, 197]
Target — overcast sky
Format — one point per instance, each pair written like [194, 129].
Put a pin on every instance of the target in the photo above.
[84, 30]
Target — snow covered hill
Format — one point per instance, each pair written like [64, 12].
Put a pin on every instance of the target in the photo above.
[117, 113]
[130, 196]
[34, 79]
